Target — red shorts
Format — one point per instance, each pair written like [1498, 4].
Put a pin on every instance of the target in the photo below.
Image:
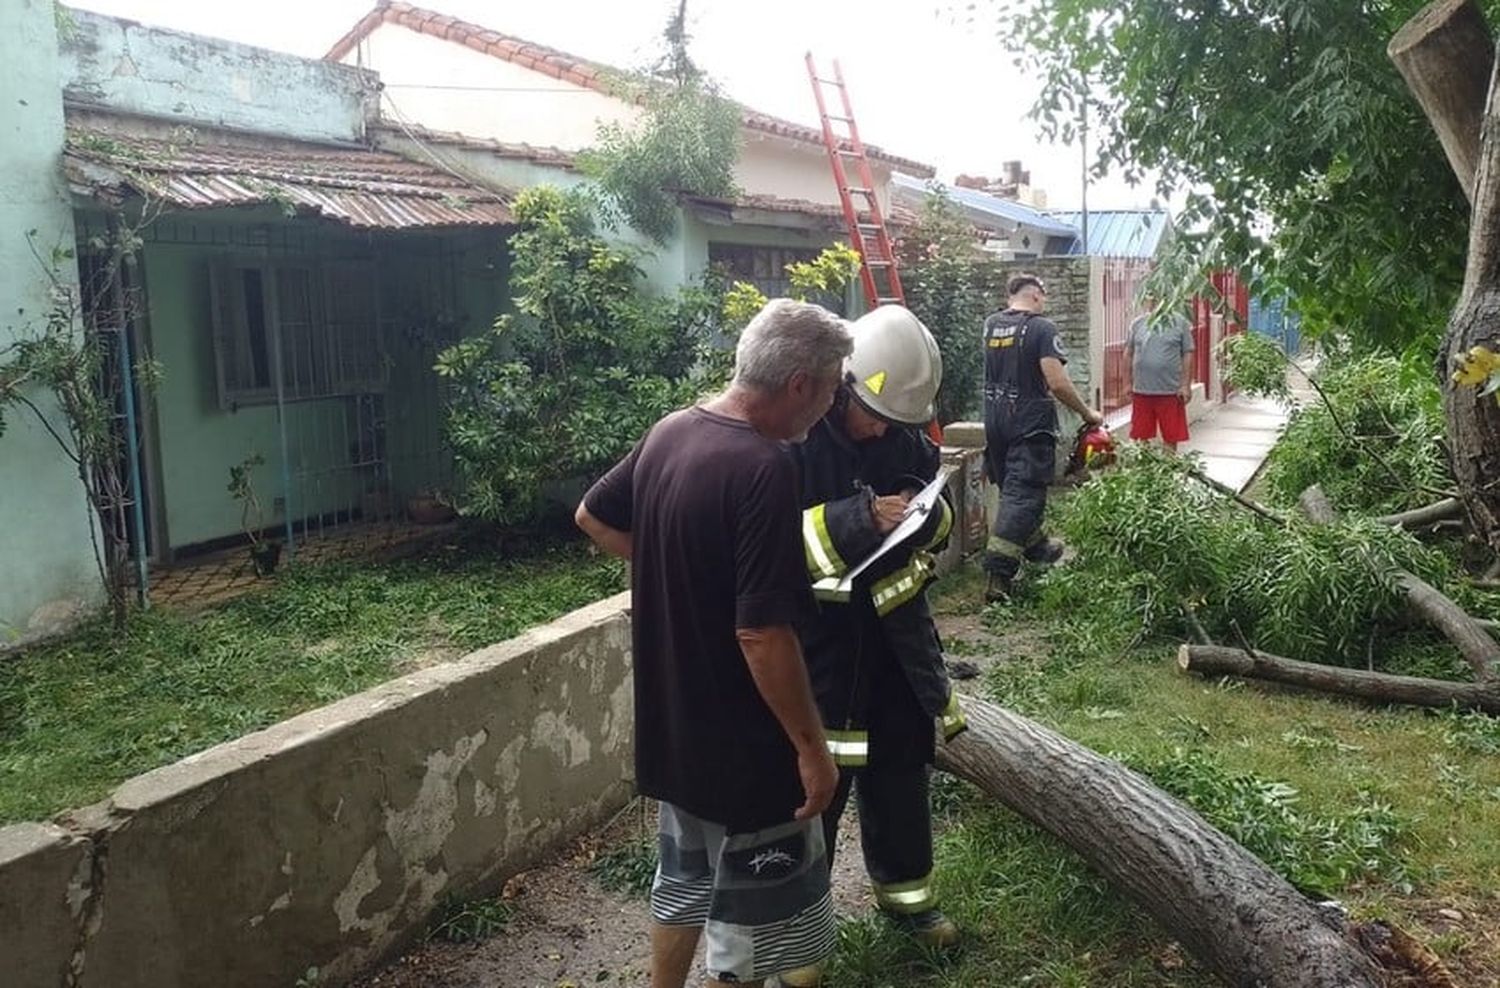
[1147, 412]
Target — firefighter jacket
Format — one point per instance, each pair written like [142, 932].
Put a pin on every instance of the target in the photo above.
[873, 655]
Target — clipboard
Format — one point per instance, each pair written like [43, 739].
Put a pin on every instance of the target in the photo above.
[916, 517]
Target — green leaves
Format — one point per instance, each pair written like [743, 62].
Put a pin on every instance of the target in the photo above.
[1389, 407]
[951, 286]
[1319, 852]
[1310, 164]
[686, 142]
[1151, 540]
[561, 391]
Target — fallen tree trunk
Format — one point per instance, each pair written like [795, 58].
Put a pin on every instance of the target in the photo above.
[1447, 509]
[1478, 647]
[1445, 53]
[1243, 921]
[1376, 687]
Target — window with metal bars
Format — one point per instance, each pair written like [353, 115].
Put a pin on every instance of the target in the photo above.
[295, 331]
[765, 268]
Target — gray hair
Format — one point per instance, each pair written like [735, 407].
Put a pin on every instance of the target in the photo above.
[786, 337]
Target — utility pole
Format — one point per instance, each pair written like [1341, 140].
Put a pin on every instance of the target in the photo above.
[1083, 134]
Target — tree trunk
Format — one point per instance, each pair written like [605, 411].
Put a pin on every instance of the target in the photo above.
[1447, 509]
[1479, 649]
[1450, 69]
[1473, 422]
[1445, 54]
[1242, 920]
[1377, 687]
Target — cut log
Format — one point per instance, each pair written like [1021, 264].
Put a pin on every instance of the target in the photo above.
[1375, 687]
[1478, 647]
[1240, 919]
[1445, 54]
[1448, 509]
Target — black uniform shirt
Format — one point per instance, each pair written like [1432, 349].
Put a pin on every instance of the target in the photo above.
[1014, 344]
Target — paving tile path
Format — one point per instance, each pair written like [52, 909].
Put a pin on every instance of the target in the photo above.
[1233, 438]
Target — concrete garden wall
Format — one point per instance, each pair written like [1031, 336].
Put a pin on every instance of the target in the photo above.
[328, 839]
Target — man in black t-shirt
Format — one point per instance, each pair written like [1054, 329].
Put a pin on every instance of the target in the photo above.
[1023, 372]
[727, 734]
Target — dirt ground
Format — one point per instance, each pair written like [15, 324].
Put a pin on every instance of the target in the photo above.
[566, 931]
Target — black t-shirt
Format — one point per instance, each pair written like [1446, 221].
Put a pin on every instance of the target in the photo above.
[1014, 344]
[717, 545]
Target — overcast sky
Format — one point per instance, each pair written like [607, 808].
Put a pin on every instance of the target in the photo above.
[924, 84]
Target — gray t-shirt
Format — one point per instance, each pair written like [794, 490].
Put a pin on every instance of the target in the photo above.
[1156, 367]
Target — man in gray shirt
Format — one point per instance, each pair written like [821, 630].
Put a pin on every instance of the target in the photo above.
[1159, 355]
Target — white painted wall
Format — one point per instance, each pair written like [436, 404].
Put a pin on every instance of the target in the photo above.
[508, 103]
[484, 96]
[771, 165]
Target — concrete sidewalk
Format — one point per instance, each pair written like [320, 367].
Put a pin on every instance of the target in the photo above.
[1233, 438]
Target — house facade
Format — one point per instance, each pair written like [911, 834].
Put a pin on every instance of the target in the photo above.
[307, 235]
[292, 283]
[473, 85]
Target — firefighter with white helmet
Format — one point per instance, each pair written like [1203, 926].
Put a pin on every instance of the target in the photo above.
[873, 654]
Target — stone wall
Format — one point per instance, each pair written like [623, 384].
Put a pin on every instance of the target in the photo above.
[328, 839]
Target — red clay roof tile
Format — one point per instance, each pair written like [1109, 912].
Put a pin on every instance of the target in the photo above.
[563, 66]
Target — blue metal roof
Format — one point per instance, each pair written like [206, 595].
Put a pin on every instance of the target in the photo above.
[1119, 232]
[981, 206]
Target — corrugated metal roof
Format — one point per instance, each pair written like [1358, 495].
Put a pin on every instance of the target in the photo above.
[1120, 232]
[357, 186]
[988, 210]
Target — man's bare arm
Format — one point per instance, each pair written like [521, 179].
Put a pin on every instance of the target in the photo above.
[611, 540]
[1062, 389]
[774, 656]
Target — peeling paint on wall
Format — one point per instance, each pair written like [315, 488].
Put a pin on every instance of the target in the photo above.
[553, 732]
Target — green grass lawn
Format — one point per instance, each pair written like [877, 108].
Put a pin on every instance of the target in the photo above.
[79, 715]
[1394, 812]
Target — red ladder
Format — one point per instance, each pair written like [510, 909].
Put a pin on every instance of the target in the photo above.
[868, 236]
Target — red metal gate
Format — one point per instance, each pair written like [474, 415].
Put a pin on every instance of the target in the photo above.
[1231, 299]
[1120, 287]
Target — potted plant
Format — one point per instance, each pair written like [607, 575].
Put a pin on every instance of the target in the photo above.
[264, 553]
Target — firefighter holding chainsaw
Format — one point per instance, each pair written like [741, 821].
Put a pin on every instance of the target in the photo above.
[1023, 372]
[873, 653]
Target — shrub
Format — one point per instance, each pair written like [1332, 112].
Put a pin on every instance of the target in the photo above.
[951, 285]
[562, 389]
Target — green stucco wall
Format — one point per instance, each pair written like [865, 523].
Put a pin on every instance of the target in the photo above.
[49, 572]
[432, 289]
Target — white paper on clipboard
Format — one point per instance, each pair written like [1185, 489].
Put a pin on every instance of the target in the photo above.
[916, 517]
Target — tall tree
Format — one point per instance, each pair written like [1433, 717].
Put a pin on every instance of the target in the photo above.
[686, 141]
[1306, 160]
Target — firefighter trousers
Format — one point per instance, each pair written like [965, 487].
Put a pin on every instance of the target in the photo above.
[895, 832]
[1022, 469]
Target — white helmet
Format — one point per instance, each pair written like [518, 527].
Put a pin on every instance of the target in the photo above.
[896, 367]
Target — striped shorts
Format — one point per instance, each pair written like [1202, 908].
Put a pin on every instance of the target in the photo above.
[762, 898]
